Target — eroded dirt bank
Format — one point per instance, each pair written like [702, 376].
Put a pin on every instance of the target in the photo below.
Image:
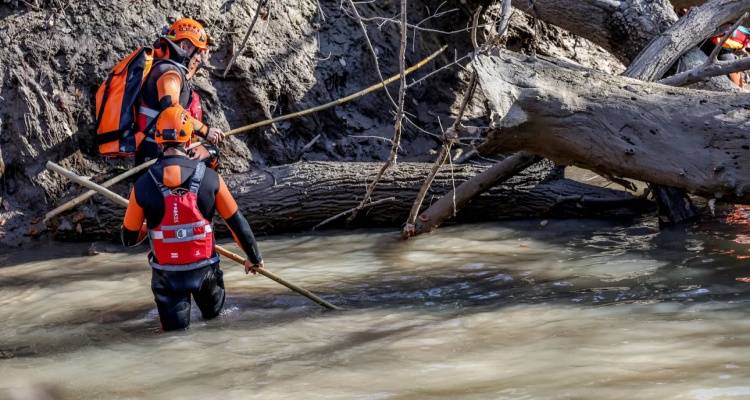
[55, 55]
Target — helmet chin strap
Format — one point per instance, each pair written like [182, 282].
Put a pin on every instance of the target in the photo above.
[193, 65]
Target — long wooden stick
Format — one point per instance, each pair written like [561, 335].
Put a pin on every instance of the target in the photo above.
[87, 195]
[117, 199]
[339, 101]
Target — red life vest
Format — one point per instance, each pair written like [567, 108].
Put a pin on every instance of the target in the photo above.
[740, 39]
[184, 239]
[146, 118]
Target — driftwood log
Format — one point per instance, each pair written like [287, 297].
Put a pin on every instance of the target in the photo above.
[689, 139]
[296, 197]
[449, 204]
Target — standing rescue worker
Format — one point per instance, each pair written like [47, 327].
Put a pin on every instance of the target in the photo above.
[178, 54]
[177, 198]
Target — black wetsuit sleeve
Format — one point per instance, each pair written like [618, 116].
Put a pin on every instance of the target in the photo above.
[238, 225]
[244, 237]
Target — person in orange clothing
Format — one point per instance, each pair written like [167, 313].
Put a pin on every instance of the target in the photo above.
[177, 198]
[178, 54]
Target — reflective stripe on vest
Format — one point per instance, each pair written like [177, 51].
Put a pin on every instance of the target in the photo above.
[181, 232]
[149, 112]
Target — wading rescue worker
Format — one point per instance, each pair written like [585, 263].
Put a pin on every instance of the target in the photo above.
[178, 54]
[177, 198]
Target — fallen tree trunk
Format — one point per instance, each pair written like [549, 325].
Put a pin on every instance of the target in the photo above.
[624, 28]
[296, 197]
[690, 139]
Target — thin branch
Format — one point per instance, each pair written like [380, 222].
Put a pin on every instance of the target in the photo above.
[704, 72]
[453, 184]
[308, 146]
[397, 128]
[419, 128]
[455, 62]
[474, 28]
[320, 11]
[505, 18]
[247, 36]
[449, 138]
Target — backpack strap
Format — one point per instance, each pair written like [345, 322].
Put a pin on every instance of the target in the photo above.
[151, 124]
[197, 178]
[105, 97]
[163, 189]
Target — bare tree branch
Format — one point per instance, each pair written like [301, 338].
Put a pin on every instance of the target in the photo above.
[449, 138]
[247, 36]
[704, 72]
[399, 116]
[664, 50]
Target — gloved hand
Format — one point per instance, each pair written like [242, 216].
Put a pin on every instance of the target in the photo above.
[250, 267]
[215, 135]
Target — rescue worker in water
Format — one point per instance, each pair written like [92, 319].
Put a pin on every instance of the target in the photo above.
[177, 198]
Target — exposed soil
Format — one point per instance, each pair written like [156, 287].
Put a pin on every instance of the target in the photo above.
[55, 54]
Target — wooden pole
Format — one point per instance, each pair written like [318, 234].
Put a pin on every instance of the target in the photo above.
[117, 199]
[340, 101]
[87, 195]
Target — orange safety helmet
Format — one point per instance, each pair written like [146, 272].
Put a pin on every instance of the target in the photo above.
[173, 125]
[190, 29]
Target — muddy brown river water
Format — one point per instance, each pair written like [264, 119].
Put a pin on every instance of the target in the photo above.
[514, 310]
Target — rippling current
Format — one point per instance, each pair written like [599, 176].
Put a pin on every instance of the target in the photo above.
[516, 310]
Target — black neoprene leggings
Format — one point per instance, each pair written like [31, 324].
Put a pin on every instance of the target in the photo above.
[173, 289]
